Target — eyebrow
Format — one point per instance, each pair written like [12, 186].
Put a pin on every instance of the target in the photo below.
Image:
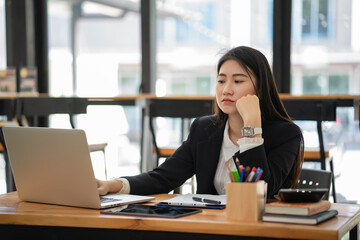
[234, 75]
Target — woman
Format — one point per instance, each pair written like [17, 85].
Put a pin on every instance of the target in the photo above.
[250, 123]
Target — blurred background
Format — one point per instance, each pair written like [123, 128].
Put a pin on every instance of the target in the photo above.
[95, 50]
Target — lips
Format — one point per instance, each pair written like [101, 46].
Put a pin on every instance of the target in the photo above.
[227, 100]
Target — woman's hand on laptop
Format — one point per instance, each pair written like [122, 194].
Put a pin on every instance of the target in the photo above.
[110, 186]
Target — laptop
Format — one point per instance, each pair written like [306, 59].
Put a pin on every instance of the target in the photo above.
[53, 166]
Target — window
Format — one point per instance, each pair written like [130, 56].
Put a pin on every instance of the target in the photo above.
[315, 19]
[325, 84]
[323, 60]
[103, 40]
[108, 47]
[199, 25]
[2, 35]
[338, 84]
[192, 34]
[60, 54]
[203, 85]
[129, 82]
[2, 66]
[311, 84]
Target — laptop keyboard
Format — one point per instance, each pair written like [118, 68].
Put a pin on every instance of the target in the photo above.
[107, 200]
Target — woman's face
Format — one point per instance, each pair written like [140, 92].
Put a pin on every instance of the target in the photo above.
[233, 82]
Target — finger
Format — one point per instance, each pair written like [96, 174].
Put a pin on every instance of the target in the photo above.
[98, 182]
[101, 189]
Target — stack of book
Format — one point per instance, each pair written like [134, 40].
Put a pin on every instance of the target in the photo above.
[301, 213]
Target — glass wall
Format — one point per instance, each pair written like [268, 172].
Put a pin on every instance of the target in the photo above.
[325, 54]
[2, 35]
[192, 35]
[94, 51]
[325, 59]
[60, 53]
[104, 41]
[108, 50]
[2, 66]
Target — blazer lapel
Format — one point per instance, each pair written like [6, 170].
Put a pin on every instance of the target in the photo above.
[207, 160]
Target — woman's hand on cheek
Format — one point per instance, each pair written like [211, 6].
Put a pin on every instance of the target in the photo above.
[249, 110]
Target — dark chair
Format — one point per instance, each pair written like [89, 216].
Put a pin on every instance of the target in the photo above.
[313, 178]
[184, 109]
[7, 108]
[31, 109]
[9, 178]
[318, 111]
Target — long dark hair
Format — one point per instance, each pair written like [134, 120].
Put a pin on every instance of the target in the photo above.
[256, 64]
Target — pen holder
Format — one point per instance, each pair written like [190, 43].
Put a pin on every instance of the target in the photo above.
[245, 201]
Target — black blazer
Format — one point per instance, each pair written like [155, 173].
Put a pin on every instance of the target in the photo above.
[199, 155]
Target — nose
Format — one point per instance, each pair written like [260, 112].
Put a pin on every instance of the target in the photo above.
[227, 89]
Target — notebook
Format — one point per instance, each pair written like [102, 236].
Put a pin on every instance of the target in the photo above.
[54, 166]
[296, 219]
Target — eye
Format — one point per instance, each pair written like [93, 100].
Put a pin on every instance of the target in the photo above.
[220, 80]
[238, 81]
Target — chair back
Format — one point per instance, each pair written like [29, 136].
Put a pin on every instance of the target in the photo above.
[313, 110]
[317, 110]
[7, 108]
[44, 106]
[176, 108]
[180, 108]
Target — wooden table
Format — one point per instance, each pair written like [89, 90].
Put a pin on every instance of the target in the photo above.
[35, 220]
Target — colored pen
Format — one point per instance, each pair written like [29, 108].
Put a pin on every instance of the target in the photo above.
[242, 174]
[246, 173]
[206, 200]
[237, 164]
[258, 178]
[251, 175]
[236, 175]
[256, 174]
[232, 178]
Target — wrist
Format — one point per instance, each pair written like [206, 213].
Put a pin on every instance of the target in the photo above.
[250, 131]
[115, 185]
[254, 124]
